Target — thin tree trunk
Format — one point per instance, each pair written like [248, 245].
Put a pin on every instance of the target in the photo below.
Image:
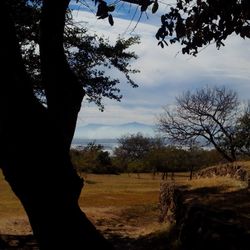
[172, 176]
[228, 157]
[191, 172]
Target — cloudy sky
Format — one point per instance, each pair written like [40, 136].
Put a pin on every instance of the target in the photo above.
[165, 73]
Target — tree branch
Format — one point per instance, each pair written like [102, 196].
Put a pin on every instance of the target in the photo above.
[21, 86]
[64, 92]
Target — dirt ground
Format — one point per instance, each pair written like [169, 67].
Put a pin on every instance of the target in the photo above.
[123, 227]
[112, 203]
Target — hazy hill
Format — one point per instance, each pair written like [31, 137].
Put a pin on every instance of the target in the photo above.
[109, 131]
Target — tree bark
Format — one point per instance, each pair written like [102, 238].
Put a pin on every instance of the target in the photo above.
[35, 142]
[63, 90]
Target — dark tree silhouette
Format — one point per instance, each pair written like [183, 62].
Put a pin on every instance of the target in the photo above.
[38, 166]
[195, 23]
[88, 55]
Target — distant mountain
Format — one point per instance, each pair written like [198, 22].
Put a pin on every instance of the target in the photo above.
[109, 131]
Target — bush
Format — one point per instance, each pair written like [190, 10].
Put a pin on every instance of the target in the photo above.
[92, 159]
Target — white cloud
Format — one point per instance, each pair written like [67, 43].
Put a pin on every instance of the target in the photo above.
[165, 75]
[117, 114]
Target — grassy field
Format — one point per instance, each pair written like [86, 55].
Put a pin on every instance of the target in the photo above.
[117, 204]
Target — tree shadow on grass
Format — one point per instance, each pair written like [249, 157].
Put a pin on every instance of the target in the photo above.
[159, 241]
[215, 197]
[18, 242]
[215, 219]
[164, 240]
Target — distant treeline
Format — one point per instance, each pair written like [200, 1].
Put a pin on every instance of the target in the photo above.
[137, 153]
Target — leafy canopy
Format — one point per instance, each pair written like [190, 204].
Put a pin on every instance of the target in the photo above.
[197, 23]
[90, 56]
[193, 23]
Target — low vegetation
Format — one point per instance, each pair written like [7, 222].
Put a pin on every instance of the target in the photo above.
[139, 154]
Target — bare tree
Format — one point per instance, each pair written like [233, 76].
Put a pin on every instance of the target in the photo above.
[207, 115]
[133, 146]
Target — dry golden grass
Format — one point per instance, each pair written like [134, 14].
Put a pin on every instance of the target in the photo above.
[121, 204]
[119, 190]
[224, 184]
[9, 204]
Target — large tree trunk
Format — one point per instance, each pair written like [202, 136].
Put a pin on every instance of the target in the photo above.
[35, 142]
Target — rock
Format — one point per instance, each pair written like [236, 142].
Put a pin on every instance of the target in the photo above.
[232, 171]
[169, 198]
